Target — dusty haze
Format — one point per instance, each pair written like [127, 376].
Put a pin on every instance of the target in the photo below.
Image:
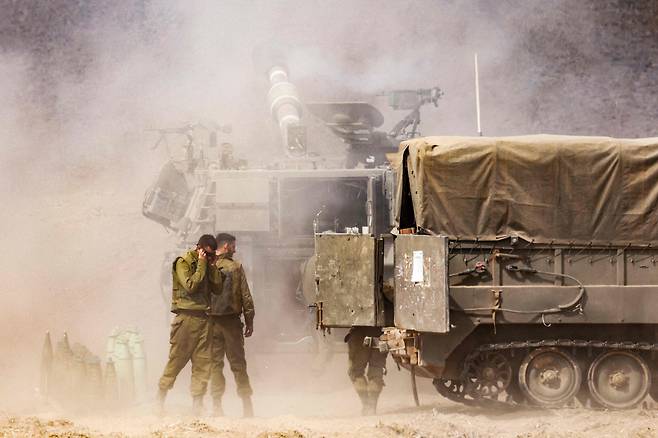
[81, 81]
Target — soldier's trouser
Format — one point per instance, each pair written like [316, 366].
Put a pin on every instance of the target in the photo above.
[227, 339]
[360, 357]
[189, 340]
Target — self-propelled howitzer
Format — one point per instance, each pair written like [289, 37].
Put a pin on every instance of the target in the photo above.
[275, 207]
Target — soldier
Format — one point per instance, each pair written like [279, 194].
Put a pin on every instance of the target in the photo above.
[368, 386]
[195, 277]
[227, 337]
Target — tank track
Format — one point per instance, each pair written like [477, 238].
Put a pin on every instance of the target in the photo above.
[462, 390]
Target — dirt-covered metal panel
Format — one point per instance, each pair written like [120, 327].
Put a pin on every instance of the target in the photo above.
[242, 202]
[347, 271]
[421, 283]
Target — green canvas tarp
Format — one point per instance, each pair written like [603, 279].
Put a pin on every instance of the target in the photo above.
[540, 188]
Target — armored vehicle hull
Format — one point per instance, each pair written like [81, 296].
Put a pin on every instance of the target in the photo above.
[525, 269]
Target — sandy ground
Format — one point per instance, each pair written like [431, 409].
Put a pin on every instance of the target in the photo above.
[291, 402]
[437, 419]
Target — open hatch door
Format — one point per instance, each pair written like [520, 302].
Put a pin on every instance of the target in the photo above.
[421, 283]
[348, 275]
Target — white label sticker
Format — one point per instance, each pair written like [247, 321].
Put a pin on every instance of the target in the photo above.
[417, 267]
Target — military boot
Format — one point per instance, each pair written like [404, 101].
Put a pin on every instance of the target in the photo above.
[247, 407]
[197, 405]
[162, 395]
[369, 406]
[361, 387]
[217, 410]
[374, 389]
[372, 403]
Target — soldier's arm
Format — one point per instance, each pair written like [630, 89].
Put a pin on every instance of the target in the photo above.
[190, 280]
[247, 300]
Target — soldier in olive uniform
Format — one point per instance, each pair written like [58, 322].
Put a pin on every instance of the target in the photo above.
[195, 277]
[227, 336]
[369, 383]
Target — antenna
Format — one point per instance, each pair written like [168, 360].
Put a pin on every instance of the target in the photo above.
[477, 95]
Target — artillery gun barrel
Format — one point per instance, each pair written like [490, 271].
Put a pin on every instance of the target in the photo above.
[286, 109]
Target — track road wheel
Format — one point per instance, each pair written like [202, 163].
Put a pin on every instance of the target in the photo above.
[488, 376]
[549, 377]
[619, 379]
[450, 389]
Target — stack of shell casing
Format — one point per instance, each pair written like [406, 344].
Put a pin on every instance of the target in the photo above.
[72, 377]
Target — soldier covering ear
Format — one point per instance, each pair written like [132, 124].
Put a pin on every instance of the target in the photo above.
[194, 279]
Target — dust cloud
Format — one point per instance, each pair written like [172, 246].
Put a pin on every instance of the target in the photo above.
[81, 82]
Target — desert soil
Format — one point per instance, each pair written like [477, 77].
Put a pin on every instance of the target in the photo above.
[438, 419]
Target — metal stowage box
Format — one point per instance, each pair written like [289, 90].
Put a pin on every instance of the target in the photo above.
[421, 283]
[348, 277]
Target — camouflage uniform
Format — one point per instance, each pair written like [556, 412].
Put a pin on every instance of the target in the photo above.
[369, 386]
[194, 280]
[227, 337]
